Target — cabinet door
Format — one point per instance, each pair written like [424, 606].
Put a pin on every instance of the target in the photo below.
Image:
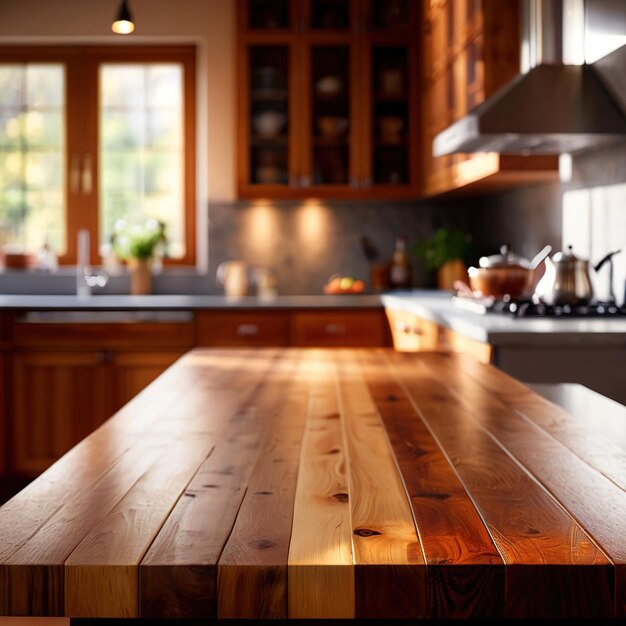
[266, 137]
[330, 118]
[131, 372]
[390, 135]
[58, 399]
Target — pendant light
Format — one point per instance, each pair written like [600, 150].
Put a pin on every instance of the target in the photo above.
[123, 24]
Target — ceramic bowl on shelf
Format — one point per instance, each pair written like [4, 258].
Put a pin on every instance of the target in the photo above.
[269, 124]
[390, 127]
[332, 127]
[328, 85]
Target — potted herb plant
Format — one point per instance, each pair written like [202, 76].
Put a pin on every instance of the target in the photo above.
[445, 252]
[137, 244]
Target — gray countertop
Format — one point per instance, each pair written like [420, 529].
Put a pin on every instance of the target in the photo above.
[184, 302]
[501, 330]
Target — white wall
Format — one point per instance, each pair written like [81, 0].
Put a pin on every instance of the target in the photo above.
[210, 24]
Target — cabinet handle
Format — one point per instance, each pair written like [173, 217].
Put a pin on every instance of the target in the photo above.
[247, 330]
[86, 178]
[75, 175]
[407, 329]
[104, 356]
[335, 329]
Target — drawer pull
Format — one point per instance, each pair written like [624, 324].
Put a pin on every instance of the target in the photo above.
[335, 329]
[247, 330]
[408, 330]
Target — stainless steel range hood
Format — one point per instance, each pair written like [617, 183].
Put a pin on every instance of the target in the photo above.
[552, 108]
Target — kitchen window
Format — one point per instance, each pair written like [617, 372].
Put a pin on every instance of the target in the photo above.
[89, 136]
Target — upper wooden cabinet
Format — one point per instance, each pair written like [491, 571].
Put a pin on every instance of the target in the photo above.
[327, 101]
[470, 50]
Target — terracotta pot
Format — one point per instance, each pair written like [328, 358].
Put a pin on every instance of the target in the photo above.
[140, 276]
[449, 272]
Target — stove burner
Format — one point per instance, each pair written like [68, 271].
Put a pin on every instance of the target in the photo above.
[527, 308]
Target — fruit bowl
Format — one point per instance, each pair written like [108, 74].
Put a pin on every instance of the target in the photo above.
[343, 285]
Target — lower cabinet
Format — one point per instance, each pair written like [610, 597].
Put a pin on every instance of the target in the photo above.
[412, 333]
[66, 378]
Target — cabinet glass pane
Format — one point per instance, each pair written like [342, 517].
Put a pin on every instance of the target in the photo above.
[390, 14]
[330, 77]
[32, 156]
[269, 115]
[390, 119]
[330, 14]
[269, 14]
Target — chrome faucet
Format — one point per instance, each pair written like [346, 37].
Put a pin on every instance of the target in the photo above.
[86, 279]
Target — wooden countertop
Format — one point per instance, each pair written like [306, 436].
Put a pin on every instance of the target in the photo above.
[326, 483]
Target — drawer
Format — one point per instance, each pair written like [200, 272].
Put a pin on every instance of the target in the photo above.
[352, 328]
[123, 335]
[413, 334]
[242, 328]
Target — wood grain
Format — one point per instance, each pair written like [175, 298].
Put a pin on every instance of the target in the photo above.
[252, 571]
[465, 572]
[570, 473]
[178, 575]
[528, 526]
[101, 574]
[321, 569]
[390, 566]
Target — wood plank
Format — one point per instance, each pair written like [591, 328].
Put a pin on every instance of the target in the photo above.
[33, 575]
[252, 571]
[321, 569]
[178, 575]
[390, 566]
[101, 574]
[604, 448]
[595, 501]
[528, 526]
[465, 573]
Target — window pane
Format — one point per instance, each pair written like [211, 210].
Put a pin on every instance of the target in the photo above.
[32, 155]
[142, 148]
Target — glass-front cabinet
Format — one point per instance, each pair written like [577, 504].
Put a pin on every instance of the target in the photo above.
[327, 98]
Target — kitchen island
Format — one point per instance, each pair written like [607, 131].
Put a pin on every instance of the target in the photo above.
[326, 483]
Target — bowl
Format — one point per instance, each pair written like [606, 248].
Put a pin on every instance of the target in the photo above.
[332, 127]
[269, 123]
[390, 126]
[328, 85]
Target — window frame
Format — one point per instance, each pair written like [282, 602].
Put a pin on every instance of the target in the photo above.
[81, 133]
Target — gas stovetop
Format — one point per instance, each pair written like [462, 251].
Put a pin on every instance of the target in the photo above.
[528, 308]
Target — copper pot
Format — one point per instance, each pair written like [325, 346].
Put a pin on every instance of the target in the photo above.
[505, 274]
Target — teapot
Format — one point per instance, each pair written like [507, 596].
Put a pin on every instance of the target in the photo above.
[233, 276]
[566, 280]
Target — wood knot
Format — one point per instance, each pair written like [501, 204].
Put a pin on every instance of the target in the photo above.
[263, 493]
[334, 451]
[366, 532]
[532, 531]
[211, 486]
[392, 398]
[332, 416]
[262, 544]
[278, 460]
[190, 494]
[340, 497]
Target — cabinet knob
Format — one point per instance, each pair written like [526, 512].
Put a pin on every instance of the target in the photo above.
[335, 329]
[104, 356]
[247, 330]
[407, 329]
